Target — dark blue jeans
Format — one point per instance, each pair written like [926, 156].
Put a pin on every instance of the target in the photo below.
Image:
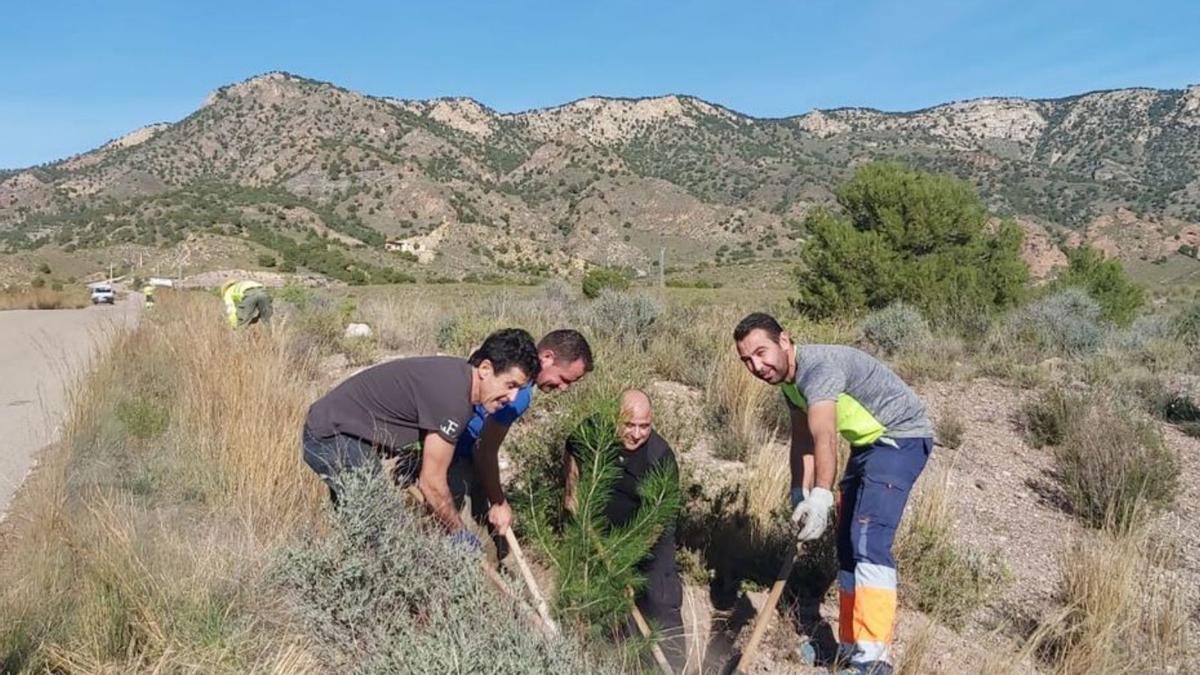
[330, 456]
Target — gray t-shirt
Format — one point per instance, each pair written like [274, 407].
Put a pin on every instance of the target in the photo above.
[392, 403]
[826, 372]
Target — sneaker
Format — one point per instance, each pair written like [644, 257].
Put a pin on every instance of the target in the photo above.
[807, 653]
[869, 668]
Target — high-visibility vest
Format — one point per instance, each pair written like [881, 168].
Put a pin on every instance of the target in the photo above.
[234, 295]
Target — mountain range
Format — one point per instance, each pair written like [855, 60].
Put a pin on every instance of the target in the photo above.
[287, 172]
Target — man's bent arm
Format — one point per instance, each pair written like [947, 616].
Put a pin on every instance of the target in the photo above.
[802, 450]
[435, 462]
[487, 459]
[822, 425]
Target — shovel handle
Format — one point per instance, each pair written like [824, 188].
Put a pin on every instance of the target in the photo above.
[539, 601]
[764, 615]
[655, 650]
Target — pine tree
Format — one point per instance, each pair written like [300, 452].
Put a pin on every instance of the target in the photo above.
[596, 564]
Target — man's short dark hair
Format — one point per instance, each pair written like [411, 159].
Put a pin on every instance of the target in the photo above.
[509, 347]
[568, 346]
[757, 321]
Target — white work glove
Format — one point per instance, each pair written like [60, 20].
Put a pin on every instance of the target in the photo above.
[814, 512]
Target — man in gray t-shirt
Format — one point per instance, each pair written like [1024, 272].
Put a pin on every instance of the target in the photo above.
[836, 391]
[424, 401]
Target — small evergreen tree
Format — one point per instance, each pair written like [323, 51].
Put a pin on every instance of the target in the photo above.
[594, 563]
[1106, 281]
[918, 238]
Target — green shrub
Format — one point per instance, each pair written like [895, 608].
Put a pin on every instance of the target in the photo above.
[894, 328]
[1105, 281]
[1066, 323]
[383, 594]
[908, 236]
[625, 317]
[1047, 418]
[600, 278]
[1114, 463]
[142, 417]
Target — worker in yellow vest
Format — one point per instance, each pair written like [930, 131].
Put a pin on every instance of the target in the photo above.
[246, 302]
[148, 294]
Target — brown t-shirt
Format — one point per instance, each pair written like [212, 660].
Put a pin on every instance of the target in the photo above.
[392, 403]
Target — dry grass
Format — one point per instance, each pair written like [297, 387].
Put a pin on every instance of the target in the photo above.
[43, 298]
[767, 483]
[240, 402]
[1119, 614]
[737, 406]
[140, 547]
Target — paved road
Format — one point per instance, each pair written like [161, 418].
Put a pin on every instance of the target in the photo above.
[42, 352]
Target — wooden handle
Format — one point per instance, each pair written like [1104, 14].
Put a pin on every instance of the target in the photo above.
[539, 601]
[764, 615]
[542, 618]
[655, 650]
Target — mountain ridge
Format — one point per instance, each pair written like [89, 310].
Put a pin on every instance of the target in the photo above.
[597, 180]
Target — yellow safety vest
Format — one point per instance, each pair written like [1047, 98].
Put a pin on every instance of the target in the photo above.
[234, 295]
[854, 422]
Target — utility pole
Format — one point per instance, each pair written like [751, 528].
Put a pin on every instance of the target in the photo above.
[662, 263]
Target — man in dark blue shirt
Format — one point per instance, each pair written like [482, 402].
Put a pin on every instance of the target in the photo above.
[565, 357]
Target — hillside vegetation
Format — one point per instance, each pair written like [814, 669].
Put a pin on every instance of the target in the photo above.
[311, 176]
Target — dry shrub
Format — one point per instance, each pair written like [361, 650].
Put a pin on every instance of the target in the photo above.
[737, 407]
[403, 323]
[949, 429]
[687, 341]
[43, 298]
[1111, 463]
[936, 359]
[1118, 614]
[385, 593]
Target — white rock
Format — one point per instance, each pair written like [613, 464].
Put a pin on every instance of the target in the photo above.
[358, 330]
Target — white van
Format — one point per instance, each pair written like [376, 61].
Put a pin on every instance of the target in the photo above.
[103, 294]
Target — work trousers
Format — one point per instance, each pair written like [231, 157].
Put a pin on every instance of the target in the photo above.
[874, 490]
[661, 601]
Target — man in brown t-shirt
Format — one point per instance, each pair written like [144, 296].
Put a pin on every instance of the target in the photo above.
[425, 401]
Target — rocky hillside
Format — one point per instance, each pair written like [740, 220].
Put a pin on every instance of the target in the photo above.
[319, 177]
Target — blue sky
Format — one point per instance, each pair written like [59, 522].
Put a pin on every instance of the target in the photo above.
[80, 73]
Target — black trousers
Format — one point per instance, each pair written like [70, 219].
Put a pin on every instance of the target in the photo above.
[662, 599]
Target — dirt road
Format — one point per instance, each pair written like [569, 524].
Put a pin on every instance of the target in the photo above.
[42, 352]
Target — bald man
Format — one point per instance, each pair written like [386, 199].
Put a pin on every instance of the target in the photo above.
[641, 450]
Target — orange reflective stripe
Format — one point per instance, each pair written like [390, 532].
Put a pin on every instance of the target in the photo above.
[874, 614]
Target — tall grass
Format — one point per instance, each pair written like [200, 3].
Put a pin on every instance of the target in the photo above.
[1118, 614]
[43, 298]
[738, 408]
[139, 544]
